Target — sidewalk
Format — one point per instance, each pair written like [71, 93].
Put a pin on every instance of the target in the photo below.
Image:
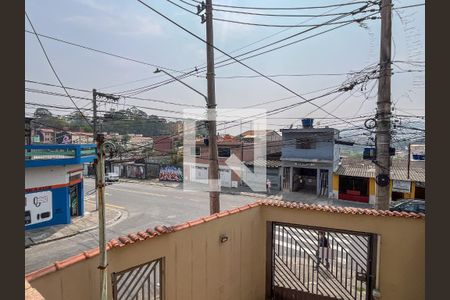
[82, 224]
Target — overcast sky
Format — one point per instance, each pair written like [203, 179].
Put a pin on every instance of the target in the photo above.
[130, 29]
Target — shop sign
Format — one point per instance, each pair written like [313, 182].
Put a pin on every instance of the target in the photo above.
[401, 186]
[38, 207]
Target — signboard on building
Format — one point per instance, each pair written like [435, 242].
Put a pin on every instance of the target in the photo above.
[38, 207]
[401, 186]
[64, 137]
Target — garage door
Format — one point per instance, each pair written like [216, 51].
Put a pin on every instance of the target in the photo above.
[225, 178]
[199, 174]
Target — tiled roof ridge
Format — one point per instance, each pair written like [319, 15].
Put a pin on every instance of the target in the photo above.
[345, 210]
[161, 229]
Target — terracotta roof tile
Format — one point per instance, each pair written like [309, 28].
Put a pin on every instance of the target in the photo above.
[160, 230]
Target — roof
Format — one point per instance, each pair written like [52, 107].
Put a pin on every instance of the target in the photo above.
[260, 162]
[312, 130]
[252, 132]
[150, 233]
[367, 170]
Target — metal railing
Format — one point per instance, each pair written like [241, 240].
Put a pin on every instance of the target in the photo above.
[140, 282]
[301, 264]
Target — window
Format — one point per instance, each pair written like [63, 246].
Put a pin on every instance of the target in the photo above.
[224, 152]
[305, 143]
[195, 151]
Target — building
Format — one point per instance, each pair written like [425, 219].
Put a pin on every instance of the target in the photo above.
[163, 144]
[54, 183]
[309, 158]
[82, 137]
[198, 172]
[273, 140]
[46, 136]
[354, 180]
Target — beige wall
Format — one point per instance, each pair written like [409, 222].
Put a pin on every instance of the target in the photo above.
[197, 266]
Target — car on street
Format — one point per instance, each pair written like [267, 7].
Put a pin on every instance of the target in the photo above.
[110, 177]
[408, 205]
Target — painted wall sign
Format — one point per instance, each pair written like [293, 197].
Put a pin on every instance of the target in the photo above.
[401, 186]
[38, 207]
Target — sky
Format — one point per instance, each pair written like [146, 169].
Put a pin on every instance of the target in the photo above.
[130, 29]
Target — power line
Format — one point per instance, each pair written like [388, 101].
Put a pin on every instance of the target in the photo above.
[54, 71]
[235, 59]
[286, 8]
[104, 52]
[130, 97]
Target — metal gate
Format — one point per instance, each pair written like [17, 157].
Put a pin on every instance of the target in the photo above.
[140, 282]
[319, 263]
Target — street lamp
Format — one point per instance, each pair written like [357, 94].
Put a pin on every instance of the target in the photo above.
[188, 86]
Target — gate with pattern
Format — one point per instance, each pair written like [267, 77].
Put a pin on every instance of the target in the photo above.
[319, 263]
[140, 282]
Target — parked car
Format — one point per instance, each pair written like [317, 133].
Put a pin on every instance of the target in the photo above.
[408, 205]
[110, 177]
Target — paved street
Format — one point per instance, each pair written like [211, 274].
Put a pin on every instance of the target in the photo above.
[147, 206]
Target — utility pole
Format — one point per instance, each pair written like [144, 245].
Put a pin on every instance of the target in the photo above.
[409, 157]
[383, 133]
[214, 201]
[94, 133]
[100, 186]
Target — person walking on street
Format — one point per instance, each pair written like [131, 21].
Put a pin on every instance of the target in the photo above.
[268, 185]
[323, 251]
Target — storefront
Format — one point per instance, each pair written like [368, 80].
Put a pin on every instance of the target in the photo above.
[54, 186]
[354, 188]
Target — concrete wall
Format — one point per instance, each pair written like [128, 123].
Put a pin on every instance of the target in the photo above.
[197, 266]
[324, 150]
[401, 272]
[47, 176]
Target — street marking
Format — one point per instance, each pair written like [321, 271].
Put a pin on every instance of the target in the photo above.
[137, 192]
[110, 205]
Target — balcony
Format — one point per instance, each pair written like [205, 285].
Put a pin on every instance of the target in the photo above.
[54, 155]
[264, 250]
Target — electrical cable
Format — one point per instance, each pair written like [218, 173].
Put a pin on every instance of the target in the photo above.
[53, 69]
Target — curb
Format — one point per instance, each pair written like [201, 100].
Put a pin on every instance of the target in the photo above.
[109, 223]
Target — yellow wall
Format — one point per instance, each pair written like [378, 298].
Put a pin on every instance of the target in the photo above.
[372, 186]
[335, 182]
[197, 266]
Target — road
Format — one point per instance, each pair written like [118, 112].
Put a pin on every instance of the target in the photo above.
[147, 206]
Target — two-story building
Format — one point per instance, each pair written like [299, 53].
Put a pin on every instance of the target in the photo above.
[309, 158]
[54, 183]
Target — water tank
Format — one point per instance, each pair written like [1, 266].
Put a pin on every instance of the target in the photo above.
[307, 123]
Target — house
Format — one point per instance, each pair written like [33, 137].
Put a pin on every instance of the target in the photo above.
[263, 250]
[309, 157]
[46, 135]
[54, 183]
[163, 144]
[354, 180]
[82, 137]
[273, 140]
[197, 170]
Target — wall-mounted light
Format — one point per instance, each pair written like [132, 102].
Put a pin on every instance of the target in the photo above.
[223, 238]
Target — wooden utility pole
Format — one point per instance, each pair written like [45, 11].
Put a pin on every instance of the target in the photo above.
[214, 201]
[100, 186]
[383, 133]
[409, 158]
[94, 134]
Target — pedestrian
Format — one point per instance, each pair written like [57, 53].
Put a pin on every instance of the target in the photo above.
[323, 251]
[268, 185]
